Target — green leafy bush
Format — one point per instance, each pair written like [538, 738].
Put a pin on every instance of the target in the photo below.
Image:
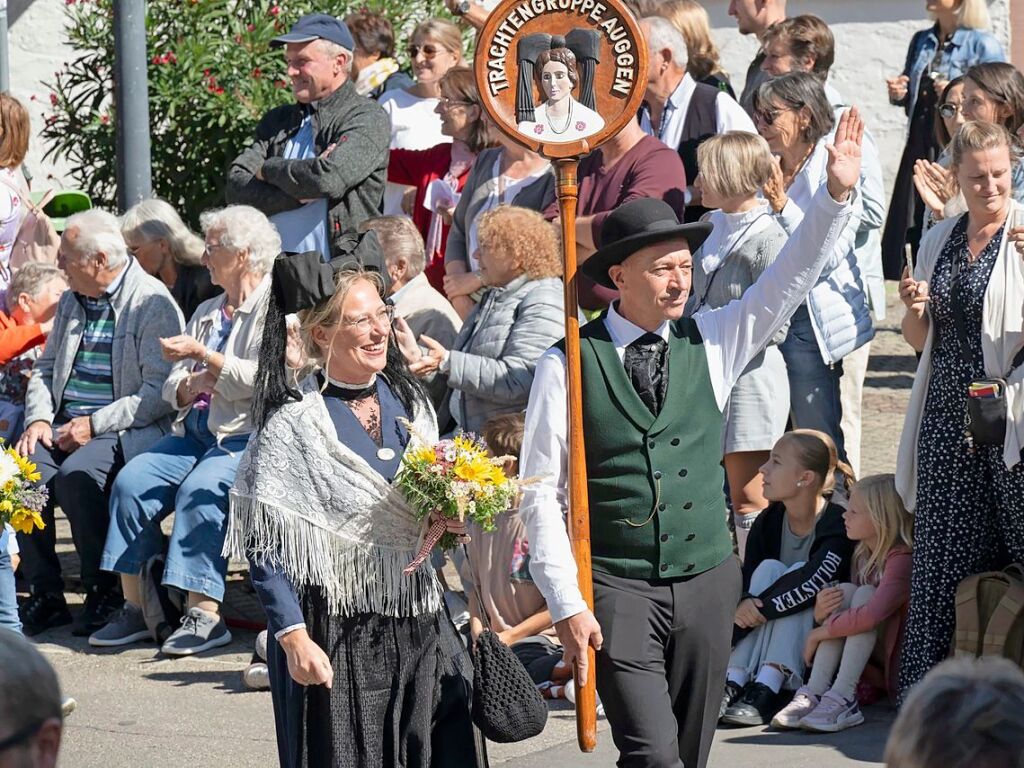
[212, 75]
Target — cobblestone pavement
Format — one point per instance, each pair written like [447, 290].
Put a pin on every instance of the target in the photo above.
[140, 710]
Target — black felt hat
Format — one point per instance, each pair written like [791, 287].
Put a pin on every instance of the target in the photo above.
[303, 280]
[636, 225]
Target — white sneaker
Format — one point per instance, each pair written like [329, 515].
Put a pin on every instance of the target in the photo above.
[833, 714]
[256, 677]
[789, 717]
[570, 695]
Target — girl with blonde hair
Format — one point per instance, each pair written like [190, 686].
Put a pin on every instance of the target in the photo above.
[703, 64]
[797, 547]
[860, 620]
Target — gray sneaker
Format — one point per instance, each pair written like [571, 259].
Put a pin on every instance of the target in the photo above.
[126, 626]
[199, 631]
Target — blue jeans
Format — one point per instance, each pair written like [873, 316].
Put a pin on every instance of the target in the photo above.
[191, 476]
[8, 596]
[814, 394]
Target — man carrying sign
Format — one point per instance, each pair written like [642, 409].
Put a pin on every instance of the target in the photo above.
[666, 582]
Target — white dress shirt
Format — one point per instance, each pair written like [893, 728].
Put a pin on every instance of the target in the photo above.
[729, 115]
[732, 334]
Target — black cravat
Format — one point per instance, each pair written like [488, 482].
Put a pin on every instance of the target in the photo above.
[645, 365]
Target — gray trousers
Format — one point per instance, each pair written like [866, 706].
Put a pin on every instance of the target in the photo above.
[661, 670]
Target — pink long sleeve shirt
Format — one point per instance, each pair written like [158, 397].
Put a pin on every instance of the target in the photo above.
[889, 605]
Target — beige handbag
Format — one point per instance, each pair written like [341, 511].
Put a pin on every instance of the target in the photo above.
[37, 239]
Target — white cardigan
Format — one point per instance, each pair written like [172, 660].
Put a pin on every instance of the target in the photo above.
[1002, 334]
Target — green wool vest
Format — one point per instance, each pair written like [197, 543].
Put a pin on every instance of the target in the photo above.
[657, 505]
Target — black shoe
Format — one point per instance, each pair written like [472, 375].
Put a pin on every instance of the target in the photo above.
[733, 691]
[100, 604]
[43, 611]
[757, 706]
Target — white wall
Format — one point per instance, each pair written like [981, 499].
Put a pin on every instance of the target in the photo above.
[38, 49]
[871, 44]
[871, 41]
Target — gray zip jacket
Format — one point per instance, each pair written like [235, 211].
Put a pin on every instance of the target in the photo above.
[491, 364]
[144, 312]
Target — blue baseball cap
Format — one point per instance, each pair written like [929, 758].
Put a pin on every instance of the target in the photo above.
[317, 26]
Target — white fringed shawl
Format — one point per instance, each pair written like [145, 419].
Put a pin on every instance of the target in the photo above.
[309, 505]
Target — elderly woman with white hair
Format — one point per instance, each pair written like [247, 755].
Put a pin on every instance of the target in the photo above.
[168, 250]
[191, 470]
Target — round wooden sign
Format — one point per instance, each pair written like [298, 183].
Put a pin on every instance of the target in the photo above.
[561, 77]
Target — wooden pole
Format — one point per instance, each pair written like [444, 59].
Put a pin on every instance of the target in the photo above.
[579, 506]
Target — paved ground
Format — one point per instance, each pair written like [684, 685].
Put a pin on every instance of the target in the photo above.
[138, 710]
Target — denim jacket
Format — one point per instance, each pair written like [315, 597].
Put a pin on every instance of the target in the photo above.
[964, 49]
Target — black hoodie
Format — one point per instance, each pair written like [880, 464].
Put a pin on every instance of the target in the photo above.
[828, 560]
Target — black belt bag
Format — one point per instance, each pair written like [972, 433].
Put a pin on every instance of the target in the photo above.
[985, 417]
[986, 411]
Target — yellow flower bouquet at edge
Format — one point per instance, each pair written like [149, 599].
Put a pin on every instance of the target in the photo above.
[455, 479]
[21, 499]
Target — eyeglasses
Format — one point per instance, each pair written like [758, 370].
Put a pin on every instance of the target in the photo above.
[382, 319]
[429, 51]
[211, 247]
[447, 104]
[948, 110]
[20, 737]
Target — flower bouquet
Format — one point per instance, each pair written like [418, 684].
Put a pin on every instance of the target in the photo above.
[21, 500]
[453, 479]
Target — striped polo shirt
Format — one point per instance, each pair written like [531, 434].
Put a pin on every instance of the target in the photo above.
[91, 384]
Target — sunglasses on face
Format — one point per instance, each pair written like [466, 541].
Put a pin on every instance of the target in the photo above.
[767, 116]
[949, 111]
[447, 104]
[429, 51]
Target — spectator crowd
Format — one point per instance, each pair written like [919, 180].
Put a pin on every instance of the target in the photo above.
[148, 370]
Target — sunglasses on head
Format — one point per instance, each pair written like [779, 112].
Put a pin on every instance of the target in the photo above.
[429, 51]
[949, 111]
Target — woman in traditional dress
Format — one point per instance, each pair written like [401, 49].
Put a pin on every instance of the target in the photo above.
[366, 669]
[560, 117]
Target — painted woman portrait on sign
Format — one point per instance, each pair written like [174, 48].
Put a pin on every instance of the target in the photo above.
[560, 117]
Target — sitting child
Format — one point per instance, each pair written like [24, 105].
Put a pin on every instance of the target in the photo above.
[497, 573]
[797, 546]
[861, 620]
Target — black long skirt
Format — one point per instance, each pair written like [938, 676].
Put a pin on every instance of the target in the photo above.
[400, 697]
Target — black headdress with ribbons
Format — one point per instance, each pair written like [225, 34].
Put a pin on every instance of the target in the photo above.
[301, 281]
[585, 45]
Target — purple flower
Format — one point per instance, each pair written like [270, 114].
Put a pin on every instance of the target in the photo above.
[580, 125]
[538, 129]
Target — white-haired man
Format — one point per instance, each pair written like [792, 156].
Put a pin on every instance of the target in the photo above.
[93, 402]
[317, 167]
[680, 111]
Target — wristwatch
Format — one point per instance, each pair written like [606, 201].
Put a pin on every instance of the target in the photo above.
[460, 7]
